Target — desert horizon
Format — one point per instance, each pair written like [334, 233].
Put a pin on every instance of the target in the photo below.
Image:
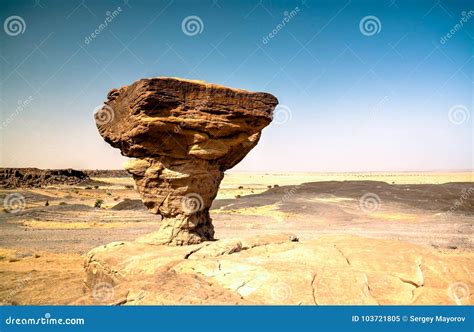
[269, 208]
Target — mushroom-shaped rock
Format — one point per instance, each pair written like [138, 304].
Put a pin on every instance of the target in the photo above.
[183, 135]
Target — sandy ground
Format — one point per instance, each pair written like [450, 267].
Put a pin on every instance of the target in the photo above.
[44, 244]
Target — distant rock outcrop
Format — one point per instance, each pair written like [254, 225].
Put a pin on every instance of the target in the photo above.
[129, 204]
[108, 173]
[34, 177]
[184, 134]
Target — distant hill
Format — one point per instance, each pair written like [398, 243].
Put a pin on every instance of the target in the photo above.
[35, 177]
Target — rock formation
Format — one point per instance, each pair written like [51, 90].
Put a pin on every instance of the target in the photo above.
[107, 173]
[35, 178]
[183, 135]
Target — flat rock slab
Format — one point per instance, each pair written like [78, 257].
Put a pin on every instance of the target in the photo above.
[277, 270]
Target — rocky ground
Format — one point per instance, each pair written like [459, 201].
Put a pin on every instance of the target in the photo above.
[34, 178]
[360, 242]
[277, 269]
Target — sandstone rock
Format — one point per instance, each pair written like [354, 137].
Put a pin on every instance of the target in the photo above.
[219, 248]
[184, 134]
[276, 270]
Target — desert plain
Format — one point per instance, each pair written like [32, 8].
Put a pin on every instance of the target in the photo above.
[281, 238]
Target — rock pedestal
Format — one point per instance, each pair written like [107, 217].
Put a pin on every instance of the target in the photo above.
[183, 135]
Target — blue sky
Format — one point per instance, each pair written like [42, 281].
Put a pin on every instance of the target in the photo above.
[391, 99]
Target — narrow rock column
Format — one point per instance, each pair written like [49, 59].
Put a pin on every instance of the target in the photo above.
[181, 193]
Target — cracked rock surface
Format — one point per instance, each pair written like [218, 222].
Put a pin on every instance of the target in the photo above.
[274, 269]
[183, 135]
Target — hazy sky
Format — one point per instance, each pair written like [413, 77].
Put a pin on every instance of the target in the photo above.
[395, 93]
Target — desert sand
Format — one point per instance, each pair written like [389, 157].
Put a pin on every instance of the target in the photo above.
[355, 238]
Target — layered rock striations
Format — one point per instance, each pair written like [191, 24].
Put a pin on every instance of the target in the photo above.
[182, 135]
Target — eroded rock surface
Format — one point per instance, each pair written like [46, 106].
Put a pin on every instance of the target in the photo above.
[274, 269]
[183, 135]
